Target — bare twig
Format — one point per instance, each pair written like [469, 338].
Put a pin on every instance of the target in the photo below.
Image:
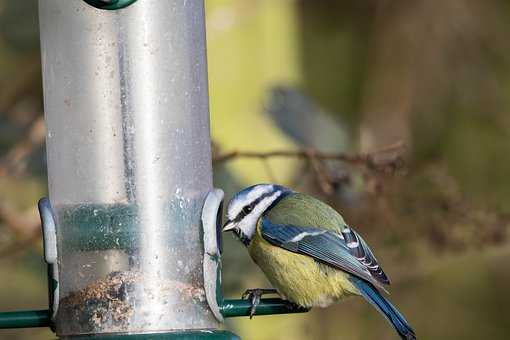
[367, 159]
[384, 160]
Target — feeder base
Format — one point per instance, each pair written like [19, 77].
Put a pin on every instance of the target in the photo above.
[187, 335]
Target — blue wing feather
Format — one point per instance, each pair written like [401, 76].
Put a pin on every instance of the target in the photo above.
[360, 249]
[323, 245]
[396, 319]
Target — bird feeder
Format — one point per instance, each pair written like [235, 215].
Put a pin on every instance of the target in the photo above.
[131, 226]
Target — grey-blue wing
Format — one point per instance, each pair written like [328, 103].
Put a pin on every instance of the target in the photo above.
[323, 245]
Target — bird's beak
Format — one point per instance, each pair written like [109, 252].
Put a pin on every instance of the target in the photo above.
[229, 226]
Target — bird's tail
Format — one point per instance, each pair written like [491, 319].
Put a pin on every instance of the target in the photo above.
[397, 320]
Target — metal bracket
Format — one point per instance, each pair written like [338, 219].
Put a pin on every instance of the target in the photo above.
[211, 224]
[49, 232]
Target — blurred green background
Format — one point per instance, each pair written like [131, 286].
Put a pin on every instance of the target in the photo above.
[338, 76]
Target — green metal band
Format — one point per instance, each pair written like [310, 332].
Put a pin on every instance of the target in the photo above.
[205, 334]
[25, 319]
[110, 5]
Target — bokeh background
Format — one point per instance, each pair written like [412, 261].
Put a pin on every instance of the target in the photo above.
[422, 87]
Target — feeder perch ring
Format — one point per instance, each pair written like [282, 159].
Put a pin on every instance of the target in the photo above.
[211, 224]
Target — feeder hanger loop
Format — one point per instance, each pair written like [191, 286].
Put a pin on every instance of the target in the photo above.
[110, 4]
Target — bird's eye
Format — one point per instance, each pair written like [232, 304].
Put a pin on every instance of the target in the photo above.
[247, 209]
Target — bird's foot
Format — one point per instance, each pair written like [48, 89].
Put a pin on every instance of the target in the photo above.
[254, 296]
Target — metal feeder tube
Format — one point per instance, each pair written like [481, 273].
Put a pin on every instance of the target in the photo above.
[129, 163]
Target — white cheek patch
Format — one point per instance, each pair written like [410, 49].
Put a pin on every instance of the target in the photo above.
[249, 223]
[237, 205]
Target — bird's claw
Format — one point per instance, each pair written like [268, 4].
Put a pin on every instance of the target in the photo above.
[254, 296]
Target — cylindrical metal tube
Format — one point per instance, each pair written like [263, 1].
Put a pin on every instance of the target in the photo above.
[129, 163]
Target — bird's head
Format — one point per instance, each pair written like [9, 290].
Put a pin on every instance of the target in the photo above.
[246, 207]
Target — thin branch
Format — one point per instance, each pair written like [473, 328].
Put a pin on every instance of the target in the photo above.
[367, 159]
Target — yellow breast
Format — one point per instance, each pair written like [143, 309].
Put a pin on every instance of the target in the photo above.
[299, 278]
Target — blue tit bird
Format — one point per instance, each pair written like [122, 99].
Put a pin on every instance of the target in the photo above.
[307, 251]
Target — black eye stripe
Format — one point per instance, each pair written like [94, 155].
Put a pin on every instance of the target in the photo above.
[249, 208]
[252, 205]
